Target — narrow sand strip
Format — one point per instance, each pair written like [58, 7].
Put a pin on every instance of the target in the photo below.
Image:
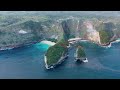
[48, 42]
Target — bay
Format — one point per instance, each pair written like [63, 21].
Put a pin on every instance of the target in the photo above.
[28, 63]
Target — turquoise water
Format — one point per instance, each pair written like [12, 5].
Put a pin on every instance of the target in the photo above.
[28, 62]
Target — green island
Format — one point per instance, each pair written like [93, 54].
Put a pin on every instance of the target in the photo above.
[80, 52]
[54, 53]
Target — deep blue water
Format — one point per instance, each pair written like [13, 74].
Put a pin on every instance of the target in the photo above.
[27, 62]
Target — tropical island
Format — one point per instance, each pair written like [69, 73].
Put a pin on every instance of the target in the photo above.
[19, 29]
[56, 54]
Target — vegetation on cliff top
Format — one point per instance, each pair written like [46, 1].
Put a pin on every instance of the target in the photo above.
[106, 32]
[40, 27]
[55, 52]
[104, 37]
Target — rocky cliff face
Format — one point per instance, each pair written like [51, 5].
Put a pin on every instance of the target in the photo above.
[34, 31]
[29, 32]
[92, 34]
[106, 33]
[89, 30]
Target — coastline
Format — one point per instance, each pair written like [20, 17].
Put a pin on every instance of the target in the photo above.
[105, 46]
[116, 41]
[45, 60]
[10, 47]
[108, 46]
[54, 65]
[48, 42]
[85, 40]
[52, 43]
[21, 45]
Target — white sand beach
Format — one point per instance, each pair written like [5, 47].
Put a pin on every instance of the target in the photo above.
[74, 39]
[48, 42]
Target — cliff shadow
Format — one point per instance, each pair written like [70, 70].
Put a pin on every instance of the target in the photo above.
[79, 63]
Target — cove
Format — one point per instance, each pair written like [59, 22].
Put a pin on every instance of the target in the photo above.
[28, 63]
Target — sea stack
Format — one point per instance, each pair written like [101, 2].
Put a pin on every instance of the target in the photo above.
[56, 54]
[80, 54]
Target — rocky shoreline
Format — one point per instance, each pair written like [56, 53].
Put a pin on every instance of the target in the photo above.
[81, 60]
[10, 47]
[62, 58]
[21, 45]
[80, 55]
[16, 46]
[54, 65]
[110, 43]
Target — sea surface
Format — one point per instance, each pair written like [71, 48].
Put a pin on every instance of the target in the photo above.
[28, 63]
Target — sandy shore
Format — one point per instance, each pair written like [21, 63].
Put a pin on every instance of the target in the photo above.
[48, 42]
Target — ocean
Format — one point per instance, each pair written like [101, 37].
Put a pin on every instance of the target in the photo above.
[28, 63]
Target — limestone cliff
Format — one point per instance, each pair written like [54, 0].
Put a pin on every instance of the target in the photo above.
[35, 30]
[92, 34]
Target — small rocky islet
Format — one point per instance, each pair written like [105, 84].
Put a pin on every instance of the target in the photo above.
[80, 54]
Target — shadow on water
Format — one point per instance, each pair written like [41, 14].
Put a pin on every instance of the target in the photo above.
[79, 63]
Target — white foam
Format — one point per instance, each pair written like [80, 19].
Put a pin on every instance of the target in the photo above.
[72, 39]
[118, 40]
[85, 60]
[107, 46]
[45, 59]
[110, 45]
